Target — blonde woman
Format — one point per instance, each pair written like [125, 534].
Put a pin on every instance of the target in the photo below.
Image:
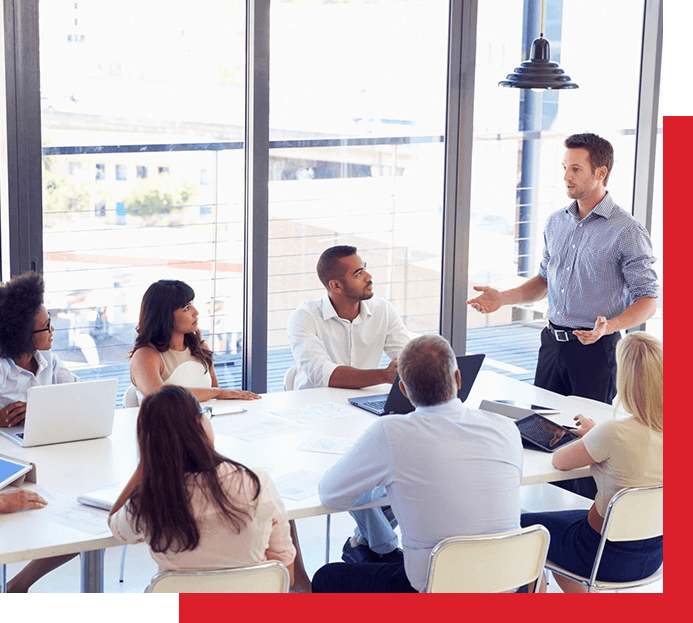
[621, 453]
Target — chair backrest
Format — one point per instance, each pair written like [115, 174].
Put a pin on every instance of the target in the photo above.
[490, 563]
[130, 397]
[632, 515]
[266, 577]
[289, 378]
[635, 514]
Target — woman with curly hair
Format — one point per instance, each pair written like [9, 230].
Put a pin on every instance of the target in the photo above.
[26, 360]
[26, 336]
[195, 508]
[169, 348]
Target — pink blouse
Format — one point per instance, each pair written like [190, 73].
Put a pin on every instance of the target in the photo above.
[265, 537]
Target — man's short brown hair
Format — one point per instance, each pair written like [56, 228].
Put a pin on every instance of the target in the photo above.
[600, 150]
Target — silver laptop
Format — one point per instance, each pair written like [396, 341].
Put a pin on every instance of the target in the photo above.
[66, 412]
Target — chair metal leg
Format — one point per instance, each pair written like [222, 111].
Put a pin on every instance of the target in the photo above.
[3, 578]
[327, 537]
[122, 563]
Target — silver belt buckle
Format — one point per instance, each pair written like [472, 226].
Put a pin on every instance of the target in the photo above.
[561, 335]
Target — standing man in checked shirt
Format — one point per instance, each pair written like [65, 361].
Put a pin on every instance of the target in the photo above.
[597, 272]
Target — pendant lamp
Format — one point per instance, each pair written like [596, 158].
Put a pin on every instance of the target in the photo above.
[539, 72]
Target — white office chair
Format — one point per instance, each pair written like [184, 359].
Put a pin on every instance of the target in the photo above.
[131, 397]
[266, 577]
[488, 563]
[632, 515]
[289, 378]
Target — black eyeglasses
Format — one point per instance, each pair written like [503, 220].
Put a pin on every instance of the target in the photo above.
[46, 328]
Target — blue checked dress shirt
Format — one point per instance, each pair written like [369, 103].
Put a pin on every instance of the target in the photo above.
[596, 266]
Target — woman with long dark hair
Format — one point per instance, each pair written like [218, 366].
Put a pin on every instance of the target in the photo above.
[194, 507]
[169, 348]
[26, 360]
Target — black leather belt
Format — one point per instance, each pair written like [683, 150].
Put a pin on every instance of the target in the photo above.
[563, 334]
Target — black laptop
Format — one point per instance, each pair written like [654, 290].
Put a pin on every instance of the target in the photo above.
[397, 402]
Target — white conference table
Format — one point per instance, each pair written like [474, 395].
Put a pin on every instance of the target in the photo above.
[67, 470]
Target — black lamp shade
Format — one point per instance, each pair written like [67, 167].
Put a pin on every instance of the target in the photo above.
[540, 72]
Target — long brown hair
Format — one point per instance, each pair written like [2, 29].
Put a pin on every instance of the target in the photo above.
[174, 447]
[155, 326]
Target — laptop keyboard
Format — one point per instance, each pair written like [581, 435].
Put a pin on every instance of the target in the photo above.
[376, 404]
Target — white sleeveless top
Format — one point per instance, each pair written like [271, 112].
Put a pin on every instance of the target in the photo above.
[181, 368]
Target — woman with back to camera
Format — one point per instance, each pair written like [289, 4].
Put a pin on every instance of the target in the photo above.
[621, 453]
[169, 347]
[26, 360]
[195, 508]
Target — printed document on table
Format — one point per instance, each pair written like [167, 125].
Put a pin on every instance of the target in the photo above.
[263, 428]
[297, 485]
[311, 413]
[329, 445]
[67, 511]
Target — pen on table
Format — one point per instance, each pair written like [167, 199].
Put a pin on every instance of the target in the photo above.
[212, 414]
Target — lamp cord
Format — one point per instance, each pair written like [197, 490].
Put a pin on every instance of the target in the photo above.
[541, 29]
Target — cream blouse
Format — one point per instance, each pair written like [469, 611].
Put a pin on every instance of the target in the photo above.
[628, 454]
[266, 535]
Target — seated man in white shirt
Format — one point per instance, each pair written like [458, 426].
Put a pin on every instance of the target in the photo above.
[448, 470]
[338, 341]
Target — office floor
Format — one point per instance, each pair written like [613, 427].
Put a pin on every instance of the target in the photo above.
[139, 567]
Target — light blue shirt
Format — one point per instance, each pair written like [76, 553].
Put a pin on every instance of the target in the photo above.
[447, 470]
[596, 266]
[16, 381]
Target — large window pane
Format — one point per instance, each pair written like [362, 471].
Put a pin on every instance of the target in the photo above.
[142, 124]
[518, 147]
[357, 116]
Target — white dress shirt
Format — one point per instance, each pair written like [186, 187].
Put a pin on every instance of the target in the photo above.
[321, 341]
[447, 470]
[16, 381]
